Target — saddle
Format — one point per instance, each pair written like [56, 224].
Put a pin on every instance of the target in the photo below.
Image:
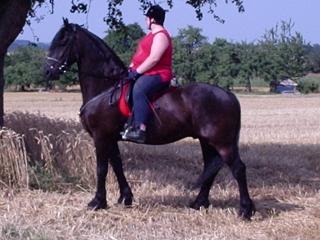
[125, 99]
[123, 96]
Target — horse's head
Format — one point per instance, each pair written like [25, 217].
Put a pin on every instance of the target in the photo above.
[62, 52]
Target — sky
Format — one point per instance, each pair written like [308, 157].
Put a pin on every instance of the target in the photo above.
[259, 16]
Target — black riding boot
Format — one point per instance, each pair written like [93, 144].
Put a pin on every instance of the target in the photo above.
[134, 135]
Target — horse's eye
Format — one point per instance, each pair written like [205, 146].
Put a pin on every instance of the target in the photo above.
[63, 39]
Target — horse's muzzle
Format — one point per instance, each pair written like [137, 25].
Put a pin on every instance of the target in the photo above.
[51, 73]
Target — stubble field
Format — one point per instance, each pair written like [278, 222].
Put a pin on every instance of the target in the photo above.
[280, 144]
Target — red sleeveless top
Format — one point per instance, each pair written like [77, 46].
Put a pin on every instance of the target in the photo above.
[164, 66]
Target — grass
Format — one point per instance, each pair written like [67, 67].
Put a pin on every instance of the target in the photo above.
[13, 160]
[280, 141]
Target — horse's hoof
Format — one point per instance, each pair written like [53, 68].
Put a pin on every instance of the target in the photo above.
[200, 203]
[247, 211]
[126, 199]
[96, 204]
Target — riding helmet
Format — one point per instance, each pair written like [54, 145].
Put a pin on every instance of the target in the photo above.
[157, 13]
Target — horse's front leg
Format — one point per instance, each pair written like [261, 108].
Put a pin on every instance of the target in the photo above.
[116, 163]
[103, 150]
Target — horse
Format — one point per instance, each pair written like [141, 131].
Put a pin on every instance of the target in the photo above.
[202, 111]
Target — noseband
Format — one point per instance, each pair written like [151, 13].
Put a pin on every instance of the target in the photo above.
[62, 67]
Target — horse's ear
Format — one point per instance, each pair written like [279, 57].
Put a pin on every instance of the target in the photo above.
[65, 22]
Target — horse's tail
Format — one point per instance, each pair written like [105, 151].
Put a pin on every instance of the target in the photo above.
[238, 123]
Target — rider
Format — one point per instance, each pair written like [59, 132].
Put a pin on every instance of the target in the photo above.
[151, 69]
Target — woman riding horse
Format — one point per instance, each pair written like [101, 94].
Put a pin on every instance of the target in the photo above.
[202, 111]
[151, 69]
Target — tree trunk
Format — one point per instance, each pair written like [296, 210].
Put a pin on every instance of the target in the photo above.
[1, 88]
[248, 85]
[13, 14]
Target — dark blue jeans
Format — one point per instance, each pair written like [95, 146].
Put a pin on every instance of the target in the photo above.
[144, 89]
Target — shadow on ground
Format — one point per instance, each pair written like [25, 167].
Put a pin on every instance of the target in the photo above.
[269, 166]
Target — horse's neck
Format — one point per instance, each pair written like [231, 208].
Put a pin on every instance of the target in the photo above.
[87, 89]
[98, 70]
[90, 84]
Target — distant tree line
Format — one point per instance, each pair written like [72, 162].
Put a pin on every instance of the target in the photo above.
[24, 70]
[279, 54]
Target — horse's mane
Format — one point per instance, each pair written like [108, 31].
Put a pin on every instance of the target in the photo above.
[102, 46]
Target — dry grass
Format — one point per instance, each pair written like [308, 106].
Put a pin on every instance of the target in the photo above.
[280, 141]
[60, 152]
[13, 160]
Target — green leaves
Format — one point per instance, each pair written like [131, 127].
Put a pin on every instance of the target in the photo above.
[24, 70]
[283, 53]
[114, 14]
[24, 67]
[312, 53]
[199, 5]
[187, 46]
[280, 54]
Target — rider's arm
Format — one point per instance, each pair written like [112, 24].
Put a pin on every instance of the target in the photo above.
[159, 45]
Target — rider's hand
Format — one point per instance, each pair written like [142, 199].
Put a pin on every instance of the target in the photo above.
[133, 74]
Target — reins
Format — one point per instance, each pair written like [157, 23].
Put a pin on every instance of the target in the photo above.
[118, 85]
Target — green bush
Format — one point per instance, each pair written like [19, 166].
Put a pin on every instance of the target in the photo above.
[309, 85]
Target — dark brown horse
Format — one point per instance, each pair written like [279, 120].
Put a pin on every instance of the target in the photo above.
[202, 111]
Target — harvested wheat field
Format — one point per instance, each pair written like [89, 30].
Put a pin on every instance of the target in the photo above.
[47, 176]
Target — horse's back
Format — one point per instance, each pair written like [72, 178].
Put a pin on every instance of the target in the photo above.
[208, 97]
[202, 100]
[197, 110]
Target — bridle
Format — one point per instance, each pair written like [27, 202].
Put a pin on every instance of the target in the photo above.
[62, 66]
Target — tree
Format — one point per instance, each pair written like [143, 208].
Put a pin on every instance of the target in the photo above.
[114, 14]
[313, 57]
[249, 67]
[207, 62]
[227, 64]
[14, 13]
[25, 67]
[269, 57]
[284, 51]
[187, 47]
[69, 78]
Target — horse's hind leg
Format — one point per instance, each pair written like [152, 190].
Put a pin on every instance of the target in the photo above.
[231, 156]
[125, 190]
[212, 165]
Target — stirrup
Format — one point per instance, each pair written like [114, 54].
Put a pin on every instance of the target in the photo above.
[125, 132]
[134, 135]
